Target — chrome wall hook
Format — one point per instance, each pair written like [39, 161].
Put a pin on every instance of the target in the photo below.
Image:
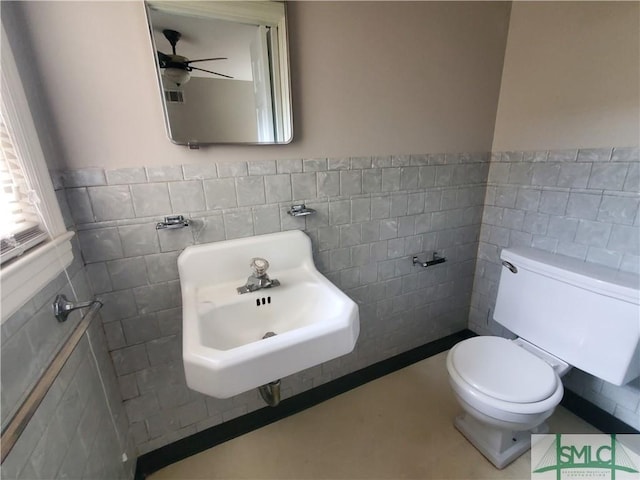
[62, 307]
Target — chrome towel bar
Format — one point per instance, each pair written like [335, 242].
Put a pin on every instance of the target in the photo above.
[11, 433]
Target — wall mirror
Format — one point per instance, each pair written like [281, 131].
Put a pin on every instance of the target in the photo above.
[223, 70]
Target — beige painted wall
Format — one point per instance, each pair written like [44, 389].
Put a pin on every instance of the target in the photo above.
[368, 78]
[215, 109]
[571, 76]
[13, 22]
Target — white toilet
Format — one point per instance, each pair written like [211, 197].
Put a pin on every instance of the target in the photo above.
[566, 313]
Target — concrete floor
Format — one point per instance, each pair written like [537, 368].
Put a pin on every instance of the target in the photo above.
[399, 426]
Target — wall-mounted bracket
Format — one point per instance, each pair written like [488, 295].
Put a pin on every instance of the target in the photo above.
[435, 260]
[300, 210]
[63, 307]
[173, 221]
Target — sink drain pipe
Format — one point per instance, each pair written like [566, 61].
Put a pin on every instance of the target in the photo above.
[270, 393]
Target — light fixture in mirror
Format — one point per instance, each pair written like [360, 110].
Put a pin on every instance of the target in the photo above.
[223, 71]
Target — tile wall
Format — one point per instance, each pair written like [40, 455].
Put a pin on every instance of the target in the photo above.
[373, 214]
[580, 203]
[32, 336]
[80, 430]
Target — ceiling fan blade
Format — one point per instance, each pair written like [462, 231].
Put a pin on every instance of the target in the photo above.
[207, 59]
[209, 71]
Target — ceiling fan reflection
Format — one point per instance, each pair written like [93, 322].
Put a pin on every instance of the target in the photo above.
[177, 67]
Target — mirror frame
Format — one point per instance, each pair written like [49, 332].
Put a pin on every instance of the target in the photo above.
[237, 11]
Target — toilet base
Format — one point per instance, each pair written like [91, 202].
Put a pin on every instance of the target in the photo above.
[500, 447]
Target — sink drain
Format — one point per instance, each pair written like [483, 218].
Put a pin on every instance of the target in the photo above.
[268, 334]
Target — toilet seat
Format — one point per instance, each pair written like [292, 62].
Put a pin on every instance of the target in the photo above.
[502, 370]
[490, 405]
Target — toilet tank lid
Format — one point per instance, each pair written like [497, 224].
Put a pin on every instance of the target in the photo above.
[596, 278]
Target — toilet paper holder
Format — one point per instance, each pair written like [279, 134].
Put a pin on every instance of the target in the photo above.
[435, 260]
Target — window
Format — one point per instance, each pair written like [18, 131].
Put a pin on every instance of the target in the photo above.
[35, 244]
[21, 227]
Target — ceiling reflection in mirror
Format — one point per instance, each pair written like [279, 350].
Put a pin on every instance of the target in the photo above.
[223, 70]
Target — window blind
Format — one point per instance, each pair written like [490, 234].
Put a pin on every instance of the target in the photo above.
[20, 224]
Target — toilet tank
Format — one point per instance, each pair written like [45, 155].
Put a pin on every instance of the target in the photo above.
[585, 314]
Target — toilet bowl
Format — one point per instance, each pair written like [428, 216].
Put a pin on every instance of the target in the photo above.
[506, 391]
[504, 383]
[566, 313]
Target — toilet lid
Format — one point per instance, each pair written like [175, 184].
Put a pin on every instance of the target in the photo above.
[500, 369]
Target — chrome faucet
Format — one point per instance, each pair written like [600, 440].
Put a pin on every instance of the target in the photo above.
[259, 279]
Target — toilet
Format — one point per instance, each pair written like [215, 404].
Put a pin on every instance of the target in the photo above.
[565, 313]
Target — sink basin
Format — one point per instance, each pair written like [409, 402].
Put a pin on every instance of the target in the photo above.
[225, 351]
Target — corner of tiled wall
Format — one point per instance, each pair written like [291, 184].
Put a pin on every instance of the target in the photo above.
[580, 203]
[373, 214]
[80, 430]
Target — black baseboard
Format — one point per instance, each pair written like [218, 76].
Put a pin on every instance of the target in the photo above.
[198, 442]
[590, 413]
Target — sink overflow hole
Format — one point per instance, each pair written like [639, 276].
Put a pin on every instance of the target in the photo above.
[263, 301]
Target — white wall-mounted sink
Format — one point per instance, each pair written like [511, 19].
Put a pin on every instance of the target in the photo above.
[224, 351]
